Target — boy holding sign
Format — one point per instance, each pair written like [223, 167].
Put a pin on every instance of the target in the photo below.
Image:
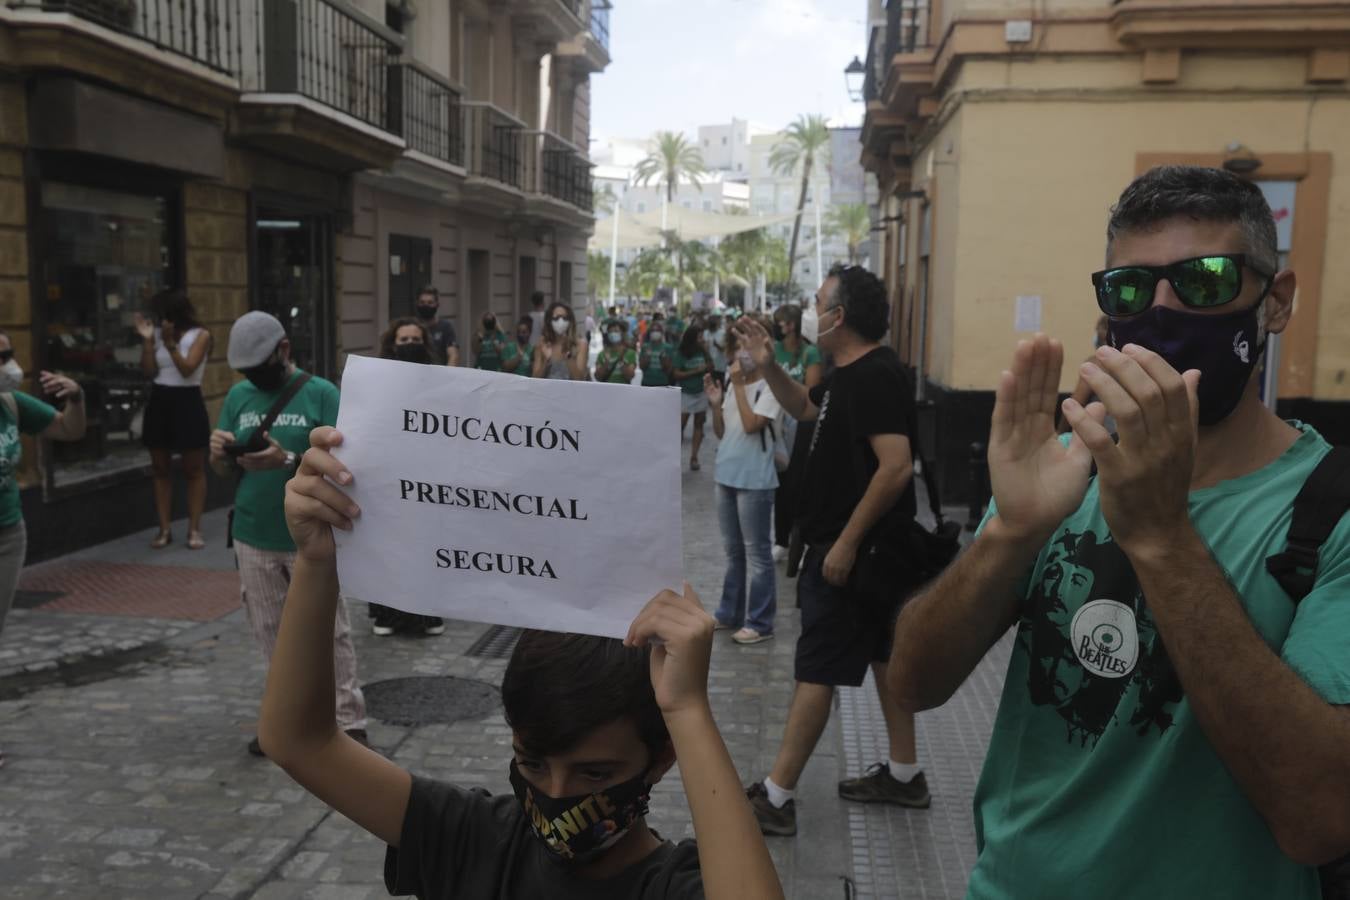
[596, 723]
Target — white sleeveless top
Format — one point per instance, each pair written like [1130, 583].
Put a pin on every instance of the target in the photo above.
[168, 374]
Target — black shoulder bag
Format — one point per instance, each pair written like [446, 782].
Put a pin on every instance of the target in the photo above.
[1321, 503]
[902, 557]
[256, 441]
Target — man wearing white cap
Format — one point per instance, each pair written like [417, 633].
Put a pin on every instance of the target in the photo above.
[264, 427]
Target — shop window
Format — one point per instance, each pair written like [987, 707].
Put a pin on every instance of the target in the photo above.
[105, 254]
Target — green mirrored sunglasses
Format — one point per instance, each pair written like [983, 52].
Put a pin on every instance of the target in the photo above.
[1200, 283]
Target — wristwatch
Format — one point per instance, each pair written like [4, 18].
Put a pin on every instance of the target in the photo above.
[292, 461]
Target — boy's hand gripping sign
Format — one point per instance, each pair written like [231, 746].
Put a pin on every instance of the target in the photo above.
[509, 500]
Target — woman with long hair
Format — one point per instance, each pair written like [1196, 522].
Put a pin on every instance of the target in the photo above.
[746, 419]
[408, 340]
[691, 365]
[174, 350]
[561, 353]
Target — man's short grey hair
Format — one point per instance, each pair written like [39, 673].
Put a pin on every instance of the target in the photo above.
[1203, 194]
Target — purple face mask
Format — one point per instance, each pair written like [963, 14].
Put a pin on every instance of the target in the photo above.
[1224, 348]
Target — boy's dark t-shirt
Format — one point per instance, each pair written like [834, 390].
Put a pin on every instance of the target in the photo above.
[460, 843]
[869, 396]
[442, 339]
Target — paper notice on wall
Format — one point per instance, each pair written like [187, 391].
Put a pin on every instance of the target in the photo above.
[513, 501]
[1027, 316]
[395, 265]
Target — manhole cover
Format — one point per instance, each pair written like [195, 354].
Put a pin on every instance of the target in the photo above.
[429, 700]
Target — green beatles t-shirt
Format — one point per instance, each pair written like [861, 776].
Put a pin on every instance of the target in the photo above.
[615, 362]
[34, 417]
[493, 351]
[694, 383]
[1099, 781]
[796, 364]
[655, 374]
[259, 514]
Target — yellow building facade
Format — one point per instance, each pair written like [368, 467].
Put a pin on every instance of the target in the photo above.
[1000, 141]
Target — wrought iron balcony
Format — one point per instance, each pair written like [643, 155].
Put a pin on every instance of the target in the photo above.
[494, 144]
[204, 31]
[557, 169]
[907, 27]
[600, 22]
[326, 51]
[426, 110]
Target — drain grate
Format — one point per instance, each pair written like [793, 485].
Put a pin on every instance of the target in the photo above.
[495, 643]
[429, 700]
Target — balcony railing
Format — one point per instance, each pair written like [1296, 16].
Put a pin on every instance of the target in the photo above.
[557, 169]
[326, 51]
[907, 27]
[494, 144]
[204, 31]
[600, 22]
[426, 110]
[874, 75]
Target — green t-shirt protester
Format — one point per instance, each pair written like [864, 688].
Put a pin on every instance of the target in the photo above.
[796, 364]
[490, 346]
[518, 355]
[617, 362]
[657, 359]
[1173, 723]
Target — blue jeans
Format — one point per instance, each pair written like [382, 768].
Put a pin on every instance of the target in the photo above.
[745, 517]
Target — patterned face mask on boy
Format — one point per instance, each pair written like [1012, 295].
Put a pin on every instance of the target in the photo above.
[578, 830]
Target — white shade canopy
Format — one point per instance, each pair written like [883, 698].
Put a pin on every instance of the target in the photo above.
[644, 229]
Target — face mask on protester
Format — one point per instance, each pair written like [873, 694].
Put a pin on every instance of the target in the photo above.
[604, 817]
[811, 324]
[560, 325]
[1226, 350]
[11, 376]
[414, 353]
[426, 310]
[269, 376]
[614, 337]
[522, 338]
[657, 337]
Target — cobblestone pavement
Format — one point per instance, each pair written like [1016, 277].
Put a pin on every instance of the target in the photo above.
[127, 774]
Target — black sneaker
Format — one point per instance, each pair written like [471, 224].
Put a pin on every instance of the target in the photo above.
[773, 820]
[432, 625]
[879, 786]
[255, 748]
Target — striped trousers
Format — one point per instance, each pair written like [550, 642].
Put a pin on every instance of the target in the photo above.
[264, 577]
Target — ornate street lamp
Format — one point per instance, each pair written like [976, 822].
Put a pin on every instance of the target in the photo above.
[854, 76]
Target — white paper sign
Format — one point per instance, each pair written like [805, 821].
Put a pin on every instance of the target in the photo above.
[1028, 314]
[509, 500]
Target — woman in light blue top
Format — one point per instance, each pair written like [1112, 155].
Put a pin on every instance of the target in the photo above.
[747, 420]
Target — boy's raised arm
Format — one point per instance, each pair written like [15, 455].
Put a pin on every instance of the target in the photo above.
[298, 730]
[732, 854]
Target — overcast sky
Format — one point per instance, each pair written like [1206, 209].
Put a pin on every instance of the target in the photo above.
[678, 64]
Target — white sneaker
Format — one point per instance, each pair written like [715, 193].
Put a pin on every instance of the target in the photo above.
[750, 636]
[779, 553]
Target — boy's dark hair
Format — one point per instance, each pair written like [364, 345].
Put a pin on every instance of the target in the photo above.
[537, 299]
[558, 688]
[430, 289]
[525, 321]
[863, 296]
[1204, 195]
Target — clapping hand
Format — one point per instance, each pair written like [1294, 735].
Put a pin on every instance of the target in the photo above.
[144, 327]
[1036, 480]
[755, 340]
[713, 390]
[59, 386]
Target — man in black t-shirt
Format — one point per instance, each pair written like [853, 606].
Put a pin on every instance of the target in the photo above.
[857, 488]
[444, 343]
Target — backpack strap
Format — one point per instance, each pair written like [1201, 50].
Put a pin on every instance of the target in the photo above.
[1318, 508]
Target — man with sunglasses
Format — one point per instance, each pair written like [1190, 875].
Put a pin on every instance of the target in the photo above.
[264, 426]
[1170, 727]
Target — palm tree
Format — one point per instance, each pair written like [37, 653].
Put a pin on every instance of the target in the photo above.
[670, 160]
[805, 146]
[853, 223]
[597, 272]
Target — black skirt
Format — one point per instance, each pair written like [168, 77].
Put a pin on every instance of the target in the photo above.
[175, 419]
